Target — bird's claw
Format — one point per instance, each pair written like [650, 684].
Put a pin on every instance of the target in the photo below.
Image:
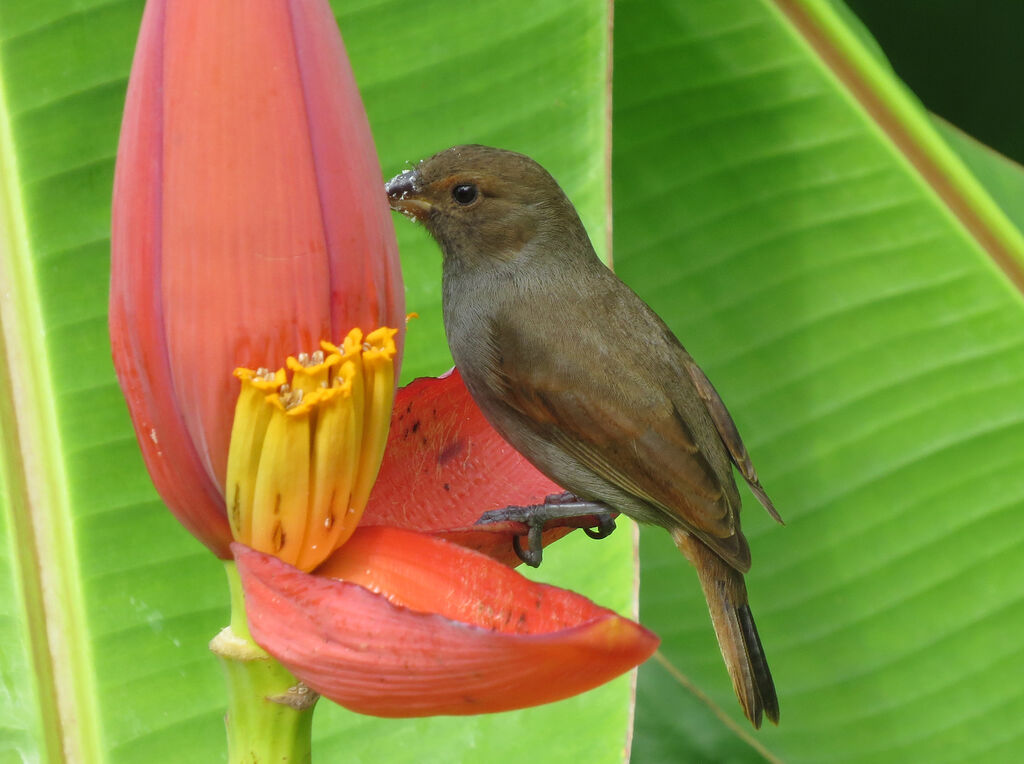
[534, 553]
[605, 526]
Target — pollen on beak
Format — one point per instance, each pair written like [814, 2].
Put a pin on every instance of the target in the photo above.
[404, 195]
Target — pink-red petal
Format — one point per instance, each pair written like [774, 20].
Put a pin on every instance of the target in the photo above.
[445, 466]
[423, 627]
[366, 278]
[137, 335]
[249, 223]
[258, 261]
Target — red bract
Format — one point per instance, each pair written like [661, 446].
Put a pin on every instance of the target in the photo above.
[445, 466]
[418, 626]
[403, 623]
[247, 225]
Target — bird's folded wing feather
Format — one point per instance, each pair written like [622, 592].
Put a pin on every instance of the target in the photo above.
[729, 434]
[629, 433]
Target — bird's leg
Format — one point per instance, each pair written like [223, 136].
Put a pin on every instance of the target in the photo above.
[559, 506]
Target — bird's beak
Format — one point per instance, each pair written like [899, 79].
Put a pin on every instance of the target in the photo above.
[403, 195]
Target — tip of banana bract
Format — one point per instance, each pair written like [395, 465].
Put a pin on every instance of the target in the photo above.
[306, 445]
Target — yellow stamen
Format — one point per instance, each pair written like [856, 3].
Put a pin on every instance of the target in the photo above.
[304, 456]
[251, 419]
[310, 371]
[333, 469]
[379, 373]
[281, 490]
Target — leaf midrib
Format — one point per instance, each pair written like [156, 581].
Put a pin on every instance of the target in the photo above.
[909, 131]
[36, 499]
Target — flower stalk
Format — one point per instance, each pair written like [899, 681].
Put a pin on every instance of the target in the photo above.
[305, 448]
[270, 713]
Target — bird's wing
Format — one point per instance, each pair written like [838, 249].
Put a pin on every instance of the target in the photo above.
[621, 426]
[729, 434]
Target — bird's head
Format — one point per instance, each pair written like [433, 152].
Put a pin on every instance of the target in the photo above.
[481, 203]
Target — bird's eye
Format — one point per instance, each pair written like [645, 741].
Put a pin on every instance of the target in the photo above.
[465, 193]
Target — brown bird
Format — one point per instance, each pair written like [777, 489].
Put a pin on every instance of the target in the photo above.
[586, 381]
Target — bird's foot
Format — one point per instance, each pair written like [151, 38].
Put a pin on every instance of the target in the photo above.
[555, 507]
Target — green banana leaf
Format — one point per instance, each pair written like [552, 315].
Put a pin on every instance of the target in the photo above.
[863, 319]
[106, 604]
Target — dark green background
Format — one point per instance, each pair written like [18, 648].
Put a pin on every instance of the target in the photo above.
[964, 60]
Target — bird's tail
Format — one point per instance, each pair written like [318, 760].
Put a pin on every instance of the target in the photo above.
[726, 594]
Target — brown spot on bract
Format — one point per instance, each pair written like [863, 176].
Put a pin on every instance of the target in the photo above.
[447, 487]
[450, 451]
[416, 426]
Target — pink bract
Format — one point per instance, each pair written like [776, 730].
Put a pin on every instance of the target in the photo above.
[249, 223]
[419, 626]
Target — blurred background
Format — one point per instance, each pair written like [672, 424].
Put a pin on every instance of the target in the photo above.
[963, 60]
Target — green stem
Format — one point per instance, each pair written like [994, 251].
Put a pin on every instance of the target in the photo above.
[270, 713]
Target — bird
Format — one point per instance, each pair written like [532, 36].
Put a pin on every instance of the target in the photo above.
[586, 381]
